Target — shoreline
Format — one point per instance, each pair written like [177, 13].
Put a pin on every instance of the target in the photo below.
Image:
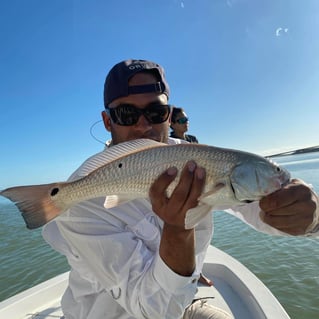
[298, 151]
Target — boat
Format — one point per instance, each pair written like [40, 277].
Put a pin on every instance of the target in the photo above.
[236, 289]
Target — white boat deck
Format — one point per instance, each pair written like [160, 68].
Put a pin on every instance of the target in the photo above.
[246, 296]
[41, 301]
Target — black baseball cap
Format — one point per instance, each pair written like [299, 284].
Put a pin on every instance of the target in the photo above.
[116, 82]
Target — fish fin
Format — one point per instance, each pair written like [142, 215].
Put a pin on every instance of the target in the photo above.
[35, 203]
[212, 192]
[194, 215]
[206, 200]
[110, 154]
[116, 200]
[208, 197]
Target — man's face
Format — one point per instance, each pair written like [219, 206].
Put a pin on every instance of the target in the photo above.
[143, 128]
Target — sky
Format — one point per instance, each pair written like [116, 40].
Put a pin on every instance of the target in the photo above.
[245, 71]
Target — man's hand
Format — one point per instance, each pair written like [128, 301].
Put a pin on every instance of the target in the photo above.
[185, 196]
[290, 209]
[177, 247]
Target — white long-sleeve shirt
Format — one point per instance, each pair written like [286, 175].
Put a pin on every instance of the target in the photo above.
[116, 269]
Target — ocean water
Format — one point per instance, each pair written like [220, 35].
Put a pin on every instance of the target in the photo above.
[289, 266]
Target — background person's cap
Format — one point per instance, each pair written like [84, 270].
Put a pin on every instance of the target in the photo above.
[116, 82]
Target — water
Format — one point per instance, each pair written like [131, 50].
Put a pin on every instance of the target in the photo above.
[288, 266]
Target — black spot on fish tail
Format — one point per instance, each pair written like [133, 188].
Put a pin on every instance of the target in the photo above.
[54, 191]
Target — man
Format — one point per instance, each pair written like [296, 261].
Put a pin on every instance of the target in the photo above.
[137, 260]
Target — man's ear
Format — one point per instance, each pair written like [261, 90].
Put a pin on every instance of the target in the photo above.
[106, 121]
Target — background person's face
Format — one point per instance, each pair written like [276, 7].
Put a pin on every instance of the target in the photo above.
[181, 128]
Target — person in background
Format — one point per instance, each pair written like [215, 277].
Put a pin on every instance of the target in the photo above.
[137, 260]
[180, 124]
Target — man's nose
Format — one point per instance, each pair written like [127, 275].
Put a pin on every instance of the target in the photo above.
[143, 123]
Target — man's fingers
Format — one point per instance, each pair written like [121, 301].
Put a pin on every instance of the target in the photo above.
[183, 188]
[158, 188]
[197, 186]
[292, 224]
[286, 221]
[290, 194]
[185, 195]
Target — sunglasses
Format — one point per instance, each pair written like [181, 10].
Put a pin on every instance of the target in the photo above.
[182, 120]
[128, 114]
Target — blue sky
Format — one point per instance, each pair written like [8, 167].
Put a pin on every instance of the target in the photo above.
[246, 71]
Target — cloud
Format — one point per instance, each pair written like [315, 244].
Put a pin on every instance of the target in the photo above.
[281, 31]
[182, 5]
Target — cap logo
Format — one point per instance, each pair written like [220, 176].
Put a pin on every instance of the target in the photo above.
[136, 66]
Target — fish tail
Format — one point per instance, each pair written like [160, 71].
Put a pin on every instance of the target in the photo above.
[36, 203]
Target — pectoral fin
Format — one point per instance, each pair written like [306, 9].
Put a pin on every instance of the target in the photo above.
[116, 200]
[206, 203]
[211, 197]
[194, 215]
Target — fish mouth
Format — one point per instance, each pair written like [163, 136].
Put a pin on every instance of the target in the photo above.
[285, 182]
[247, 201]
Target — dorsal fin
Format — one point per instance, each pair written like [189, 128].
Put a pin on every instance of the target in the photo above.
[112, 153]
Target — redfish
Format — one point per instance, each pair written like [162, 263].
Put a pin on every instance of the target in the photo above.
[127, 170]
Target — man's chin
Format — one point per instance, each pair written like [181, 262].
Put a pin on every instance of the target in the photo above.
[150, 137]
[160, 139]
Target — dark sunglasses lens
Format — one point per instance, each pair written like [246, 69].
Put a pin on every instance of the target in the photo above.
[157, 114]
[182, 120]
[124, 115]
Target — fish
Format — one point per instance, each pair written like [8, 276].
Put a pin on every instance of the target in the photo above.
[126, 171]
